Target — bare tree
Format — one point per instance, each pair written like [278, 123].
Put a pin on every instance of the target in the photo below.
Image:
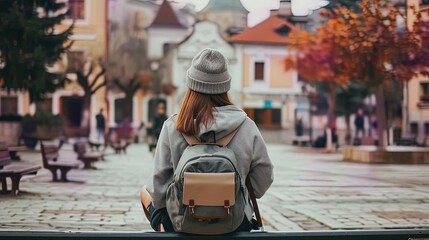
[89, 76]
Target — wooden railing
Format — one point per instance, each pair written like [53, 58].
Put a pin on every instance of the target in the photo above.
[307, 235]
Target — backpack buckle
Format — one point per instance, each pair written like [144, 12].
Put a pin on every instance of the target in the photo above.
[191, 207]
[227, 211]
[227, 208]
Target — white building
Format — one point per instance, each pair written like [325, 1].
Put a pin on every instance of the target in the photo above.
[167, 27]
[205, 35]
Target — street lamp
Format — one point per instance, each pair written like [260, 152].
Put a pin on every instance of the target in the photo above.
[155, 85]
[154, 66]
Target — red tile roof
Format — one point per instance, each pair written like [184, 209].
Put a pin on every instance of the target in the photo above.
[273, 30]
[166, 17]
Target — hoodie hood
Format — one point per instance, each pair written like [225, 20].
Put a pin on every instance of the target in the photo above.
[226, 119]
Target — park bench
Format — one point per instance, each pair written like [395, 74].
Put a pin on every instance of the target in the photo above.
[301, 140]
[50, 160]
[119, 146]
[306, 235]
[408, 140]
[14, 172]
[13, 150]
[88, 158]
[96, 146]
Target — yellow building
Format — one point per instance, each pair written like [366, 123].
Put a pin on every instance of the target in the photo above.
[269, 91]
[89, 43]
[89, 46]
[417, 97]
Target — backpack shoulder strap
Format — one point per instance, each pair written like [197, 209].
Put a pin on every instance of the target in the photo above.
[191, 140]
[254, 203]
[225, 140]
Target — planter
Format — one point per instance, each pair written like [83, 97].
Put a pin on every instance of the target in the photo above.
[41, 126]
[388, 155]
[45, 132]
[10, 133]
[30, 142]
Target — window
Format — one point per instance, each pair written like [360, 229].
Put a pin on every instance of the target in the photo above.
[119, 107]
[283, 30]
[76, 9]
[120, 112]
[267, 118]
[259, 71]
[8, 105]
[424, 92]
[71, 108]
[75, 59]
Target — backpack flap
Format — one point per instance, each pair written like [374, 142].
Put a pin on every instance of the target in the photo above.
[209, 195]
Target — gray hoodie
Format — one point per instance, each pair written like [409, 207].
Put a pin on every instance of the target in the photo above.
[248, 146]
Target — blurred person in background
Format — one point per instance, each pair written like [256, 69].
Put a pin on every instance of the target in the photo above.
[100, 125]
[359, 124]
[159, 119]
[299, 127]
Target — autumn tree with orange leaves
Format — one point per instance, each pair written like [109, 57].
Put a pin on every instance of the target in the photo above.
[383, 54]
[323, 57]
[363, 46]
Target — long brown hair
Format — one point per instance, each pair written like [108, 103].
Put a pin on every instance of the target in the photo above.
[196, 109]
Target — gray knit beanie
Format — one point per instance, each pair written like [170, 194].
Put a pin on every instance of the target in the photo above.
[209, 73]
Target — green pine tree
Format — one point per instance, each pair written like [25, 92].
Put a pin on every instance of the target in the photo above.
[352, 4]
[29, 45]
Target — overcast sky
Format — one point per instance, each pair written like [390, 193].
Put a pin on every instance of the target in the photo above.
[260, 9]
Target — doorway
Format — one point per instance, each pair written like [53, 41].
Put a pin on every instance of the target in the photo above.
[265, 117]
[71, 109]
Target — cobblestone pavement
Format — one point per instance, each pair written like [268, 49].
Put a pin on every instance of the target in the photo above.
[311, 191]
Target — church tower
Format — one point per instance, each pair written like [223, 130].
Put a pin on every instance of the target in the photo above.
[230, 15]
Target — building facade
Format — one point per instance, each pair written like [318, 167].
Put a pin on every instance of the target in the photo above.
[417, 89]
[89, 43]
[89, 46]
[269, 91]
[206, 34]
[230, 15]
[156, 43]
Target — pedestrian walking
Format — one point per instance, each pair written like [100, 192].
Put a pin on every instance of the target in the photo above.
[359, 126]
[100, 125]
[159, 119]
[299, 127]
[206, 116]
[125, 130]
[142, 133]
